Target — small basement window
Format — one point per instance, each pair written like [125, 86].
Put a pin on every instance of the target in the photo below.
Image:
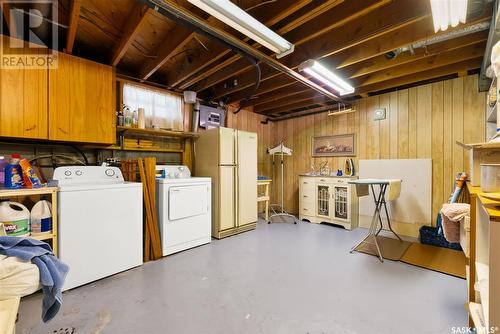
[163, 110]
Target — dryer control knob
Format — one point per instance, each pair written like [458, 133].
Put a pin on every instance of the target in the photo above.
[78, 173]
[110, 172]
[67, 173]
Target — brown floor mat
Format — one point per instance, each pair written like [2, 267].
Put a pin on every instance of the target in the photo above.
[391, 249]
[440, 259]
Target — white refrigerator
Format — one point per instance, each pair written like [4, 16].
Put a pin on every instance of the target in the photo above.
[229, 157]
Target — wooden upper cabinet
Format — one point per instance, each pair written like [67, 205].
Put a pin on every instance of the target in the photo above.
[23, 100]
[81, 101]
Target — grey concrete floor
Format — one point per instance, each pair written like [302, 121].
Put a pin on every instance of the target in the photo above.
[280, 278]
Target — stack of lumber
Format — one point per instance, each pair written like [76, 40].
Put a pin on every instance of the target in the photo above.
[147, 174]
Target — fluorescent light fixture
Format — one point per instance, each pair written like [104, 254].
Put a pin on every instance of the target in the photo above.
[447, 13]
[238, 19]
[315, 69]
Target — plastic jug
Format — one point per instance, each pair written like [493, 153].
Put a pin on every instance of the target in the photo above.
[15, 218]
[41, 218]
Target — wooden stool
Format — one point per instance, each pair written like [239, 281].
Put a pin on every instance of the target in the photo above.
[265, 198]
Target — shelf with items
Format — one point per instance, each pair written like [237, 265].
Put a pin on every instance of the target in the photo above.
[21, 195]
[156, 133]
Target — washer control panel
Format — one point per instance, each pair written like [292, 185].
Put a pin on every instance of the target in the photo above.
[87, 174]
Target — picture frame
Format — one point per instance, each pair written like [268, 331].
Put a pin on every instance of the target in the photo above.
[334, 146]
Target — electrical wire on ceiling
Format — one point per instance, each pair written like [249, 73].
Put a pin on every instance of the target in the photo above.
[257, 82]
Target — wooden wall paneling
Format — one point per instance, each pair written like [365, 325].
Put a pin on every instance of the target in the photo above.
[361, 112]
[448, 142]
[290, 177]
[372, 129]
[412, 123]
[438, 197]
[393, 125]
[424, 121]
[403, 130]
[458, 124]
[384, 127]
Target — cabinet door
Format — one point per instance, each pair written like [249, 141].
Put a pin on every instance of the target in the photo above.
[81, 106]
[226, 199]
[247, 177]
[323, 200]
[23, 101]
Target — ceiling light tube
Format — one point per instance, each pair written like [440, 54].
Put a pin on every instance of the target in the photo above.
[447, 13]
[318, 71]
[238, 19]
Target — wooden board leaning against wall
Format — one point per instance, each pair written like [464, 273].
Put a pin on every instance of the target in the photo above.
[422, 122]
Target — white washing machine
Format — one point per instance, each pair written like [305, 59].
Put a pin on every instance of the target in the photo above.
[184, 209]
[100, 222]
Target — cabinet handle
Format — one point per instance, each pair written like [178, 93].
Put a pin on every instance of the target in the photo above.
[30, 128]
[304, 209]
[306, 182]
[60, 129]
[305, 196]
[322, 180]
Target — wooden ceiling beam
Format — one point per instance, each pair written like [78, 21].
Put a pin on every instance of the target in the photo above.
[394, 40]
[440, 60]
[381, 62]
[340, 15]
[173, 43]
[422, 76]
[265, 87]
[408, 34]
[304, 96]
[296, 105]
[277, 95]
[217, 51]
[74, 17]
[382, 20]
[135, 20]
[239, 65]
[300, 113]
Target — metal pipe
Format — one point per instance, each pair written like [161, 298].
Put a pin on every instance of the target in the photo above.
[183, 16]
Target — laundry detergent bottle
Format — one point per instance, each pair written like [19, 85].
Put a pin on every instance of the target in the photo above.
[14, 173]
[15, 218]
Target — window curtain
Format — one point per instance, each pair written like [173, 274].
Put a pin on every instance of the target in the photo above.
[162, 110]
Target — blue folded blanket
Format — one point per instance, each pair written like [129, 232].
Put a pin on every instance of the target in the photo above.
[52, 271]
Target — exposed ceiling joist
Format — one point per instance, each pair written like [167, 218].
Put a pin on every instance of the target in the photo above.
[381, 62]
[385, 42]
[423, 75]
[296, 105]
[73, 25]
[217, 51]
[286, 92]
[393, 17]
[304, 113]
[239, 65]
[134, 22]
[329, 20]
[174, 11]
[304, 96]
[169, 47]
[440, 60]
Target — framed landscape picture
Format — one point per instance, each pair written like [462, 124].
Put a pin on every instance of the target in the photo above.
[334, 146]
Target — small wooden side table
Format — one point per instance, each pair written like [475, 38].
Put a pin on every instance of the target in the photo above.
[265, 197]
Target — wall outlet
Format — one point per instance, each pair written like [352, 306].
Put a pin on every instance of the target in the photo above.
[379, 114]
